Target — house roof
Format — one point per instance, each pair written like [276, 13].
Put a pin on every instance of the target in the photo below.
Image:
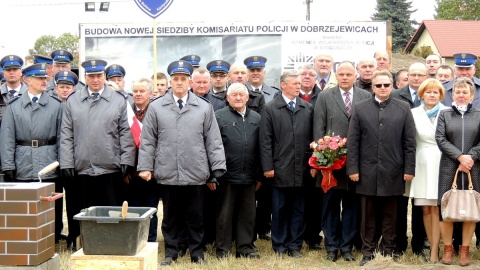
[450, 36]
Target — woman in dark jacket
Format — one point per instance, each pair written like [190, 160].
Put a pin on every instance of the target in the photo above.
[458, 137]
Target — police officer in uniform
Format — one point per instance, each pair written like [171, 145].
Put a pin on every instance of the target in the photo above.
[97, 149]
[256, 77]
[193, 59]
[65, 83]
[218, 79]
[12, 71]
[39, 59]
[29, 132]
[116, 73]
[181, 147]
[61, 61]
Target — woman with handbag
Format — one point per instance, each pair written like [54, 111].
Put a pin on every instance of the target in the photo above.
[424, 187]
[458, 137]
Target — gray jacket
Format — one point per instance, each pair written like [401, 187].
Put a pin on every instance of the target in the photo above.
[181, 147]
[6, 96]
[268, 92]
[95, 136]
[24, 121]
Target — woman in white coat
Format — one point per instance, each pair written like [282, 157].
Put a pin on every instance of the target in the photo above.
[424, 187]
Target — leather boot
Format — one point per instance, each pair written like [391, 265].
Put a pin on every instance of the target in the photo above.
[464, 257]
[447, 257]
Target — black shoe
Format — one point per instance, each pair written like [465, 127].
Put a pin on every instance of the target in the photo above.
[167, 261]
[255, 248]
[265, 236]
[347, 256]
[182, 252]
[424, 254]
[331, 256]
[396, 256]
[295, 254]
[314, 247]
[201, 261]
[250, 255]
[60, 237]
[365, 260]
[222, 255]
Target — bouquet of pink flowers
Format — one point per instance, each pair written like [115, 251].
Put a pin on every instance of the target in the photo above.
[329, 153]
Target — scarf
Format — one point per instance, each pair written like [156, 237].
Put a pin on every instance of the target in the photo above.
[461, 108]
[433, 112]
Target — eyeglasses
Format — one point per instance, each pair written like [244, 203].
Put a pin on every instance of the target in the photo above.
[417, 75]
[379, 85]
[219, 76]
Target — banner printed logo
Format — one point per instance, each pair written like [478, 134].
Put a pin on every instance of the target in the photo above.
[153, 8]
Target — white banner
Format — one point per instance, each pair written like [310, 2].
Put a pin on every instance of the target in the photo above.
[286, 45]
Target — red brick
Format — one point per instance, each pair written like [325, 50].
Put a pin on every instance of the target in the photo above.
[13, 260]
[2, 247]
[28, 191]
[35, 234]
[16, 234]
[13, 207]
[22, 247]
[41, 257]
[2, 221]
[39, 206]
[27, 221]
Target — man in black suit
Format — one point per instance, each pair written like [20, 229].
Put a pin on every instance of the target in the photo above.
[340, 220]
[417, 73]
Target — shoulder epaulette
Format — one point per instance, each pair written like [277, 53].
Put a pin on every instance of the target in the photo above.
[124, 95]
[13, 100]
[56, 98]
[208, 101]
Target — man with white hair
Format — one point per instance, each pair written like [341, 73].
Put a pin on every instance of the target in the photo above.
[235, 207]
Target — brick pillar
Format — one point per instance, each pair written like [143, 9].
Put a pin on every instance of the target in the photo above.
[27, 224]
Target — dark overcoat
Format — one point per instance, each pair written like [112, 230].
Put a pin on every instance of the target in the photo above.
[381, 146]
[285, 138]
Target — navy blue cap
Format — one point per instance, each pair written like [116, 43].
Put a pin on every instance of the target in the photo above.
[464, 59]
[255, 62]
[218, 66]
[42, 59]
[192, 59]
[11, 61]
[61, 56]
[115, 71]
[36, 70]
[180, 67]
[94, 66]
[66, 77]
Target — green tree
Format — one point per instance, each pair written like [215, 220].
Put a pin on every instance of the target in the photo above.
[45, 45]
[399, 13]
[457, 10]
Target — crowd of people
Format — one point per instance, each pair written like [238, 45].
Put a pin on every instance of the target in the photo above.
[228, 155]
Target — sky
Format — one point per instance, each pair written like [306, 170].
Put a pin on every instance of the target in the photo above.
[31, 19]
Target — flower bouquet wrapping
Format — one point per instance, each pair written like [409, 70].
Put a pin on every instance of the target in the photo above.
[329, 153]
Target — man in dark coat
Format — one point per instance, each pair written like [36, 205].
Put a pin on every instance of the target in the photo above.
[381, 157]
[309, 91]
[285, 136]
[235, 207]
[417, 73]
[340, 203]
[365, 69]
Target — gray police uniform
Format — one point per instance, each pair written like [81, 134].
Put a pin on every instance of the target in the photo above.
[51, 87]
[268, 92]
[96, 138]
[29, 136]
[7, 97]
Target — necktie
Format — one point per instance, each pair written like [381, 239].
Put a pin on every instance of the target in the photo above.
[180, 104]
[257, 90]
[12, 92]
[348, 102]
[34, 99]
[95, 95]
[415, 98]
[322, 83]
[291, 106]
